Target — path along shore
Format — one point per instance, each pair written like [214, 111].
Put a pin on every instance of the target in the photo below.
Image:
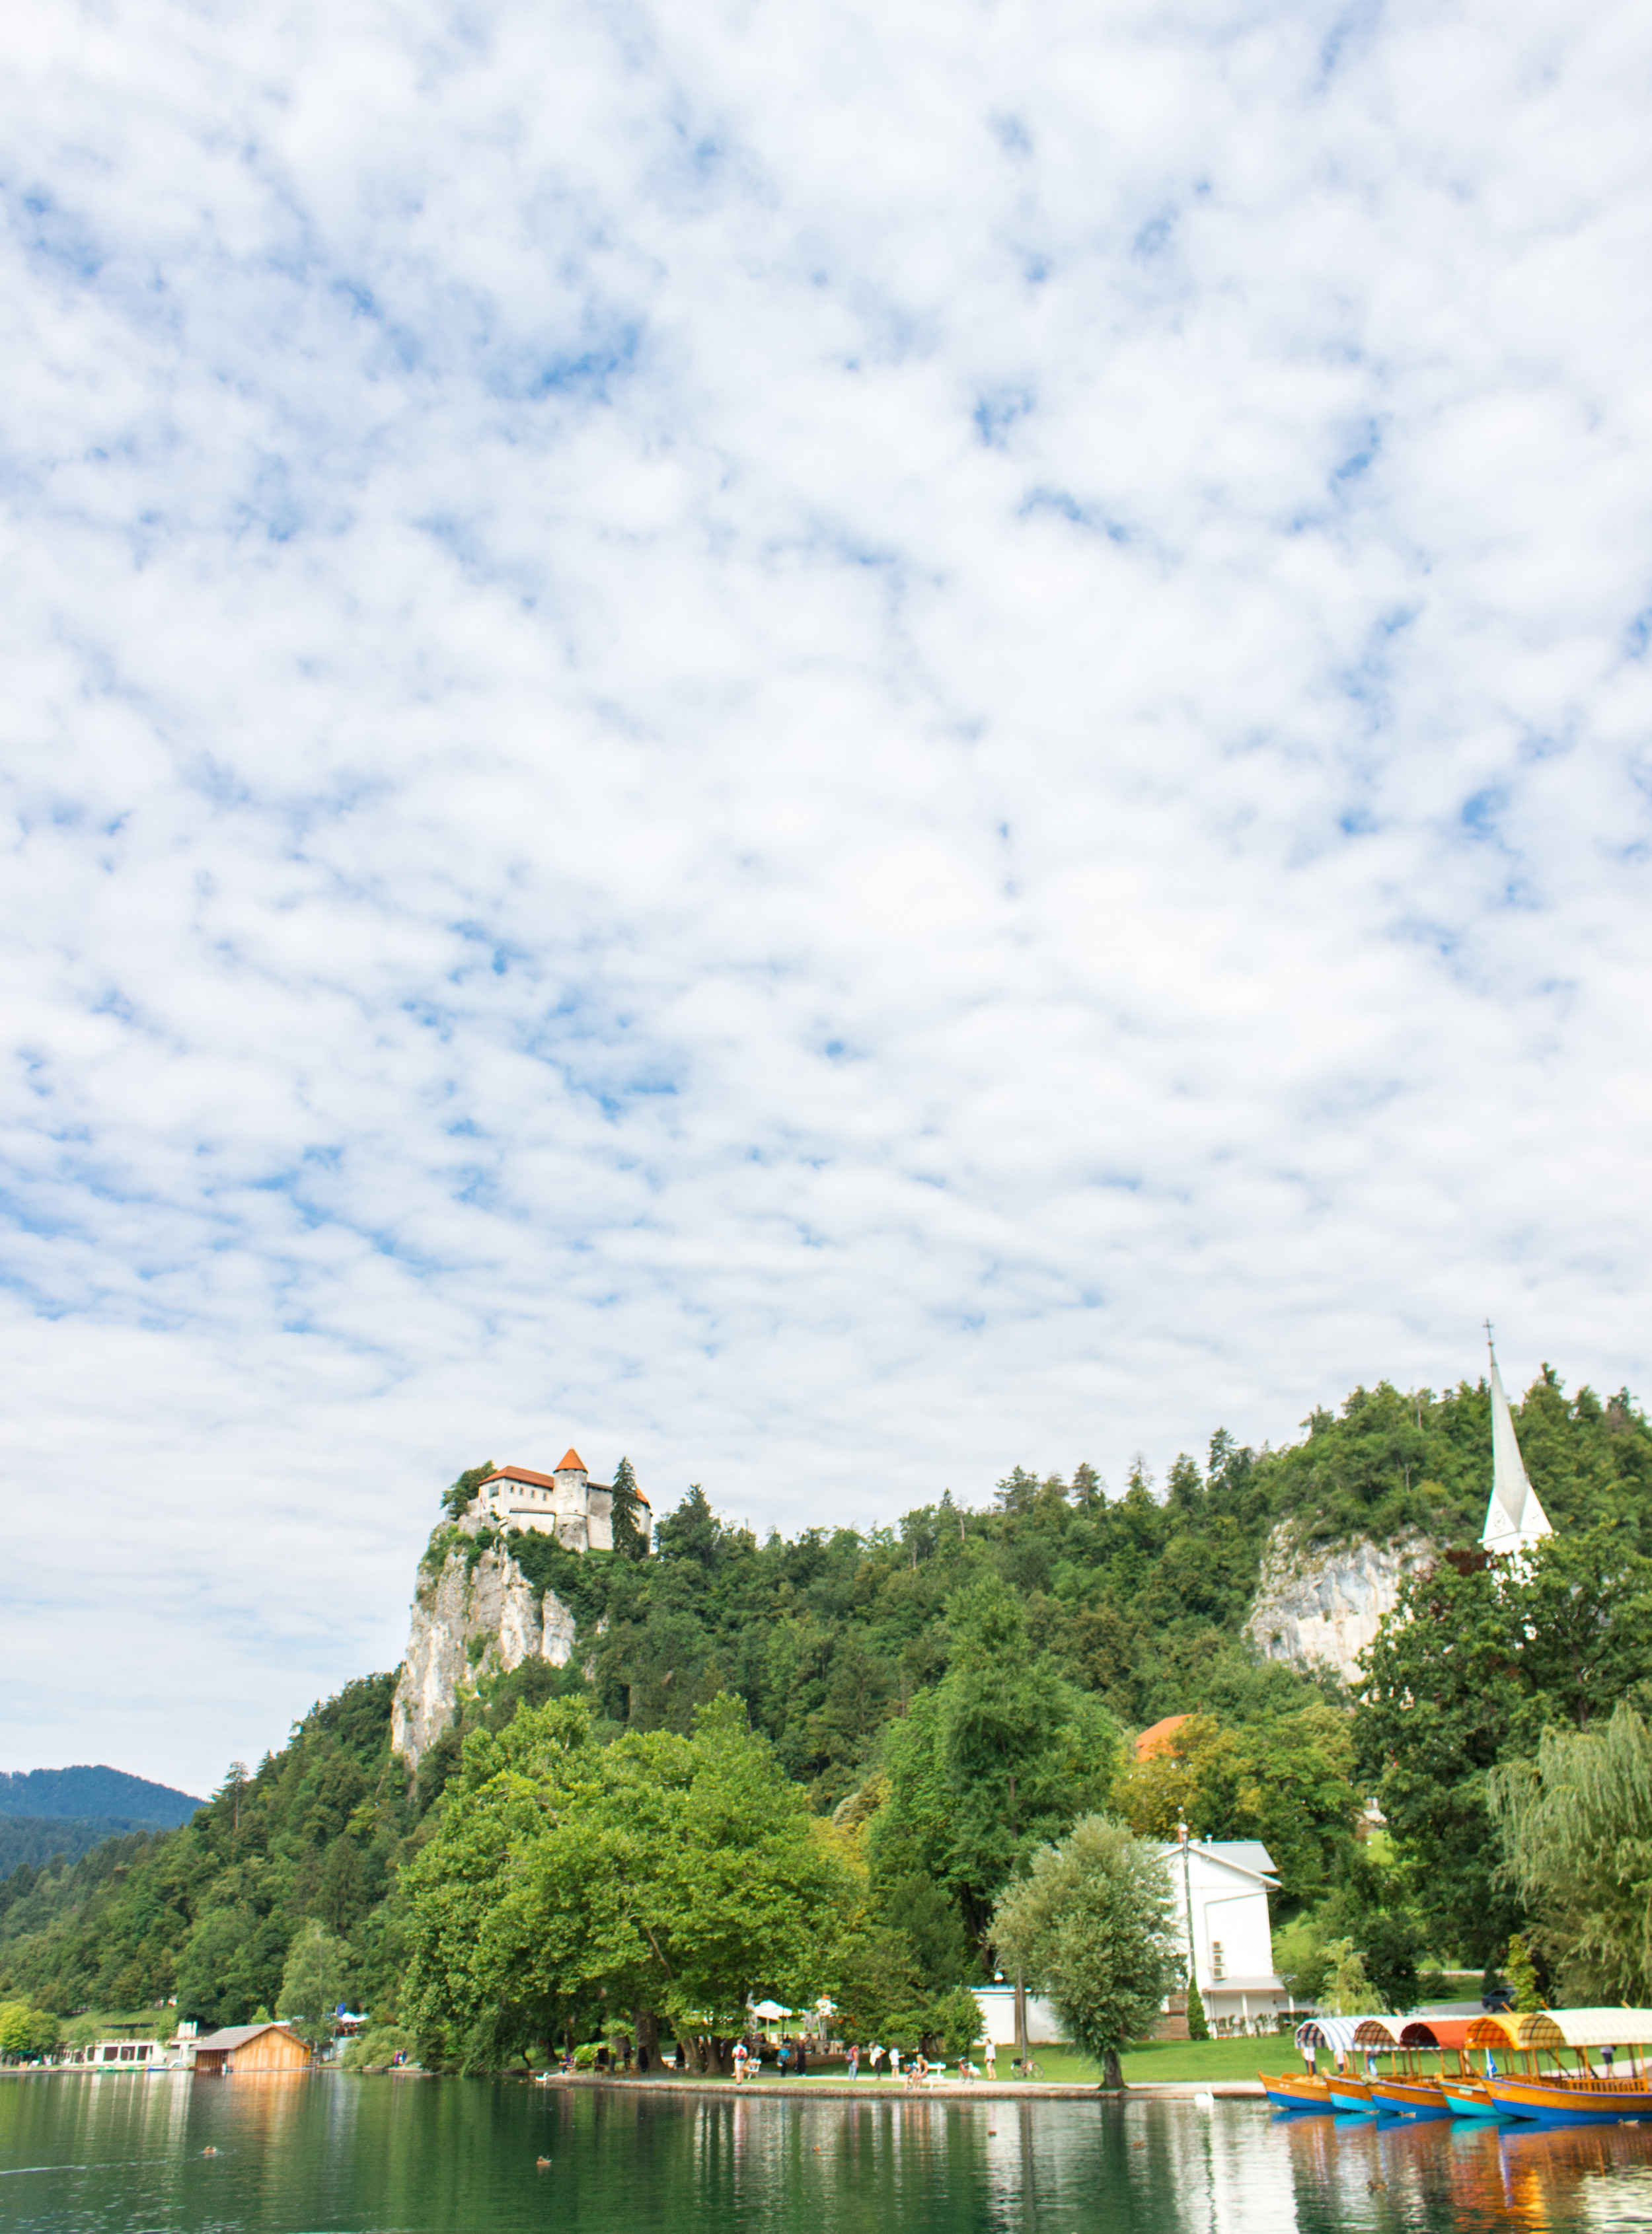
[896, 2090]
[777, 2090]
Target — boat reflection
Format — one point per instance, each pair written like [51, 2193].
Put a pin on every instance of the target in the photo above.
[1469, 2175]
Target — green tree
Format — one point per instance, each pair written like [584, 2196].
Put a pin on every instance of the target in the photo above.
[1577, 1825]
[1091, 1925]
[26, 2033]
[1349, 1991]
[314, 1983]
[1522, 1974]
[1476, 1659]
[1199, 2026]
[628, 1535]
[660, 1875]
[1000, 1756]
[1284, 1779]
[457, 1497]
[1390, 1944]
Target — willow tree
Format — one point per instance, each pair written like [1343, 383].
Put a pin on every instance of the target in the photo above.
[1577, 1825]
[1091, 1927]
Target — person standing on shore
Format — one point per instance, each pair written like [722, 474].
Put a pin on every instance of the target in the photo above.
[854, 2063]
[991, 2061]
[875, 2056]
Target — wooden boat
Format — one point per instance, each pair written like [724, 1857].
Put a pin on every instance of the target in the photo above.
[1467, 2098]
[1297, 2090]
[1408, 2095]
[1337, 2090]
[1413, 2092]
[1584, 2096]
[1567, 2099]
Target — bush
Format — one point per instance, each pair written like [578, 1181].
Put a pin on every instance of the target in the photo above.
[377, 2044]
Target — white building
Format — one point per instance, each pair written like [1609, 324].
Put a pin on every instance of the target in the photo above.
[1226, 1884]
[997, 2005]
[567, 1505]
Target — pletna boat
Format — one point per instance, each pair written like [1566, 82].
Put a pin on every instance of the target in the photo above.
[1589, 2094]
[1336, 2091]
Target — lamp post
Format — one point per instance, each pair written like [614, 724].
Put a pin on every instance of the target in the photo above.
[1187, 1897]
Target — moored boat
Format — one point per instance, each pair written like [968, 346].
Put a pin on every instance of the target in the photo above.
[1467, 2098]
[1296, 2090]
[1566, 2099]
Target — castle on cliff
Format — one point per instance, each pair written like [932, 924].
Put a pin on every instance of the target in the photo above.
[567, 1505]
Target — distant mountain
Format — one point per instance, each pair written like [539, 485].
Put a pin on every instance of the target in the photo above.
[108, 1796]
[37, 1838]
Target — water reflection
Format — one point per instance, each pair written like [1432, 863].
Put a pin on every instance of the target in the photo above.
[115, 2156]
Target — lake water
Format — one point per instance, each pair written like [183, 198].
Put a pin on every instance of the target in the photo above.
[359, 2155]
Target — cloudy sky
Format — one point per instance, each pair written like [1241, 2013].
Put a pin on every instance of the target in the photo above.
[836, 743]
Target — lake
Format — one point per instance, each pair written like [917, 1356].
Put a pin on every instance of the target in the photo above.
[369, 2155]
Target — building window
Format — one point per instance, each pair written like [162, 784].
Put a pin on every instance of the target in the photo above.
[1217, 1967]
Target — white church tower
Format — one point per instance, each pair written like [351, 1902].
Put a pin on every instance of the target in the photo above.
[1514, 1519]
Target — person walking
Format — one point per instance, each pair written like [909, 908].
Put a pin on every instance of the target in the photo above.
[854, 2061]
[991, 2061]
[894, 2063]
[802, 2060]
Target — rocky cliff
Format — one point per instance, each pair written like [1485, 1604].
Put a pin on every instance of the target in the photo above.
[475, 1614]
[1325, 1605]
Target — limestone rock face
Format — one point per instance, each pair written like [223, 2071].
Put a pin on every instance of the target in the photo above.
[470, 1621]
[1325, 1605]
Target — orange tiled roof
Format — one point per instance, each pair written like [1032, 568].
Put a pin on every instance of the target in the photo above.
[1160, 1738]
[549, 1480]
[571, 1458]
[522, 1474]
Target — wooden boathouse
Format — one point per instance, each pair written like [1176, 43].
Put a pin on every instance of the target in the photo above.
[252, 2047]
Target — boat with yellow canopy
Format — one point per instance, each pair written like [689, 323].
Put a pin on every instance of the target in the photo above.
[1591, 2094]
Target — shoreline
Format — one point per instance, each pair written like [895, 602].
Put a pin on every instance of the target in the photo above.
[955, 2090]
[770, 2090]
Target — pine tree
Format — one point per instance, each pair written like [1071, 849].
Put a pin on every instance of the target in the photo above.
[1197, 2025]
[628, 1535]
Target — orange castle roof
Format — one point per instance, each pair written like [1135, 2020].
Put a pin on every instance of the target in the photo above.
[571, 1458]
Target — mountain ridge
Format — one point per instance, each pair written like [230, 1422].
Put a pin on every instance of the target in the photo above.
[93, 1791]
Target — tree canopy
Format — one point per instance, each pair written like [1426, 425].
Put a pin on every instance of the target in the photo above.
[1577, 1825]
[1091, 1925]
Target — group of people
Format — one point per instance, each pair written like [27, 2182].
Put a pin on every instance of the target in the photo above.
[793, 2062]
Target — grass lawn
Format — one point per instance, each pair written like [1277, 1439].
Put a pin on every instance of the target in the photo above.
[1184, 2060]
[1187, 2060]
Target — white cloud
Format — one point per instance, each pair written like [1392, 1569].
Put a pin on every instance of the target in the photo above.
[837, 745]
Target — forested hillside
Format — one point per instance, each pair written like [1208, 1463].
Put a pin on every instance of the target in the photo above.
[950, 1689]
[108, 1793]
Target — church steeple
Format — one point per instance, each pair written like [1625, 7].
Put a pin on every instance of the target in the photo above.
[1514, 1518]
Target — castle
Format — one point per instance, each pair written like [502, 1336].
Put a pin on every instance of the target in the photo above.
[567, 1505]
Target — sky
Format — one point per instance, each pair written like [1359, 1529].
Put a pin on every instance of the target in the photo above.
[835, 744]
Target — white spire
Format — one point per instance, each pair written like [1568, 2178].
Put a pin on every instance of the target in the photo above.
[1514, 1519]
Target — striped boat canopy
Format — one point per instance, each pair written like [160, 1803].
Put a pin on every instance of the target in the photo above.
[1436, 2032]
[1586, 2029]
[1340, 2033]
